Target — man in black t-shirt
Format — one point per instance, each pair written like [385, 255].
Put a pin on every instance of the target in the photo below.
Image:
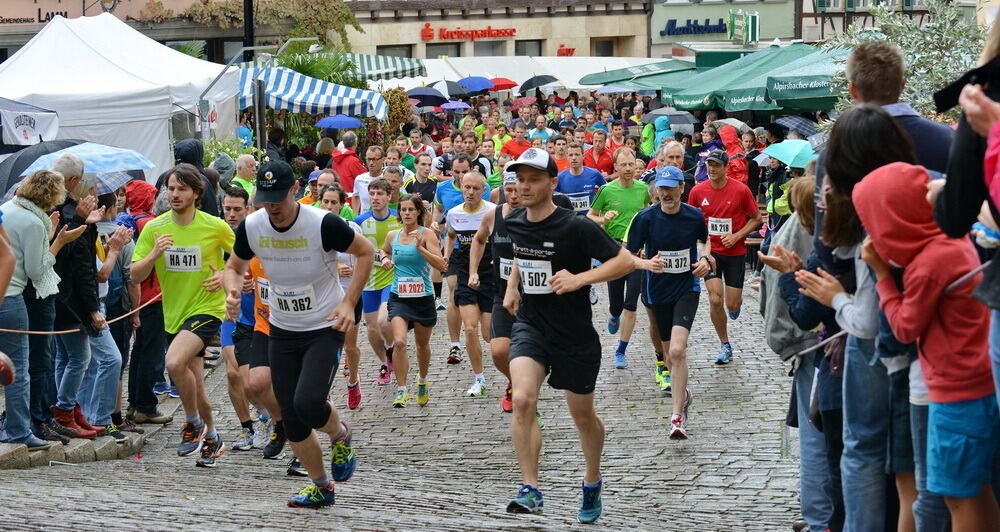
[553, 253]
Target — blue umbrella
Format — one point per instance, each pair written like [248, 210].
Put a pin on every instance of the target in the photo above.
[428, 97]
[111, 181]
[456, 105]
[338, 122]
[476, 83]
[97, 159]
[796, 153]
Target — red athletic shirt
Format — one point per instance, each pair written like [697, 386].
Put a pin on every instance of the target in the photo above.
[726, 211]
[602, 163]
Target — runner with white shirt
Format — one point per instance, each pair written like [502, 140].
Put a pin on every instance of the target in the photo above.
[298, 245]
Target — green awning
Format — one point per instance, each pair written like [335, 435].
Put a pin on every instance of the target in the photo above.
[612, 77]
[807, 80]
[657, 81]
[373, 66]
[708, 89]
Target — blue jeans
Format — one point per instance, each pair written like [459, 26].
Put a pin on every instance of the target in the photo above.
[814, 470]
[929, 510]
[995, 349]
[99, 392]
[147, 360]
[41, 367]
[72, 359]
[866, 436]
[14, 315]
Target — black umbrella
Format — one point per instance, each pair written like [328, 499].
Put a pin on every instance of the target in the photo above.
[454, 90]
[536, 82]
[12, 167]
[427, 96]
[675, 116]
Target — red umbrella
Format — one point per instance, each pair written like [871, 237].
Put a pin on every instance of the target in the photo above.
[502, 84]
[526, 100]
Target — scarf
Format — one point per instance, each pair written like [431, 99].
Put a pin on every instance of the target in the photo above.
[48, 283]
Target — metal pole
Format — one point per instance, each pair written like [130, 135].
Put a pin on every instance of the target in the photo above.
[248, 30]
[260, 132]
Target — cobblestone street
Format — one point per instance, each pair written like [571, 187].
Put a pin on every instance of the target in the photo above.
[451, 466]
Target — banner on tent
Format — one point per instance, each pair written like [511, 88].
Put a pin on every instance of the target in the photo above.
[26, 128]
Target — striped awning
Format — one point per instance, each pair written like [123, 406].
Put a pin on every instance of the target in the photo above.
[373, 66]
[288, 90]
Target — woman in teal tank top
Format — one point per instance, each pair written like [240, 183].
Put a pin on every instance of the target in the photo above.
[412, 251]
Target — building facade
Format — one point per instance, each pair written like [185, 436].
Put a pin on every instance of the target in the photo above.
[673, 22]
[463, 28]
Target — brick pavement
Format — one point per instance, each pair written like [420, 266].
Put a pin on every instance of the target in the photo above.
[450, 465]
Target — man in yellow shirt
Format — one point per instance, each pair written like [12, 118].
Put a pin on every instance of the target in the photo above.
[185, 247]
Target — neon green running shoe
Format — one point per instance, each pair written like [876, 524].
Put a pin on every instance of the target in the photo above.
[658, 374]
[538, 419]
[402, 397]
[665, 385]
[423, 395]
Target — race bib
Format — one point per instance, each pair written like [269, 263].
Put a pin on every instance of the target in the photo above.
[535, 275]
[720, 226]
[294, 302]
[410, 286]
[183, 259]
[263, 290]
[676, 261]
[580, 203]
[506, 265]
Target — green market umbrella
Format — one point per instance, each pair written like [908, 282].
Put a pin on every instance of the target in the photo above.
[806, 83]
[796, 153]
[658, 81]
[610, 77]
[707, 90]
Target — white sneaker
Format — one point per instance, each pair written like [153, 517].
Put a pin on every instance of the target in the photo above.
[594, 298]
[477, 389]
[678, 428]
[262, 434]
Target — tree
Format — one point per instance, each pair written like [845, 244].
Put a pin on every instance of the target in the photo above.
[937, 51]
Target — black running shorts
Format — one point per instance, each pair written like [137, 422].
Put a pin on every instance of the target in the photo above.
[680, 313]
[573, 368]
[731, 269]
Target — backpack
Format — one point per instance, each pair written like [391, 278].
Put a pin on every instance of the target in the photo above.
[131, 221]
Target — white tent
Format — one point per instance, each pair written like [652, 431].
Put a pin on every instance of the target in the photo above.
[111, 84]
[437, 69]
[569, 70]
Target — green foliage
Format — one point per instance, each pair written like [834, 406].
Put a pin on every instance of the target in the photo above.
[937, 52]
[332, 66]
[154, 11]
[308, 17]
[192, 48]
[232, 147]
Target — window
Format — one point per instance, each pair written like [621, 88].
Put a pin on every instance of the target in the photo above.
[444, 49]
[604, 48]
[529, 48]
[396, 50]
[487, 48]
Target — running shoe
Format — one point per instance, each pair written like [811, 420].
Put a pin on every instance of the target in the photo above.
[116, 433]
[665, 382]
[313, 496]
[383, 376]
[342, 457]
[347, 370]
[687, 404]
[733, 315]
[538, 419]
[173, 392]
[725, 355]
[423, 395]
[528, 501]
[402, 397]
[658, 373]
[354, 395]
[590, 504]
[507, 399]
[129, 426]
[440, 305]
[613, 323]
[6, 370]
[455, 355]
[295, 468]
[244, 442]
[191, 439]
[477, 389]
[210, 452]
[212, 353]
[262, 434]
[161, 389]
[620, 361]
[594, 298]
[678, 428]
[276, 444]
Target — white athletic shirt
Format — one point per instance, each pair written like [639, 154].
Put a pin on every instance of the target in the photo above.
[305, 284]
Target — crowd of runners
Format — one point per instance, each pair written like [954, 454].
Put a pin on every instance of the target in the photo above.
[505, 237]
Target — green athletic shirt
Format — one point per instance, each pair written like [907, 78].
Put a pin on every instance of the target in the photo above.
[627, 201]
[495, 180]
[375, 230]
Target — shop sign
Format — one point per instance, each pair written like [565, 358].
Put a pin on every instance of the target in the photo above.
[445, 34]
[692, 27]
[565, 52]
[39, 19]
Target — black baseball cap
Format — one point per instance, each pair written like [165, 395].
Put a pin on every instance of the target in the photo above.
[535, 158]
[274, 180]
[718, 156]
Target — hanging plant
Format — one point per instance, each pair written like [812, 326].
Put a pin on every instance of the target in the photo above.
[316, 18]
